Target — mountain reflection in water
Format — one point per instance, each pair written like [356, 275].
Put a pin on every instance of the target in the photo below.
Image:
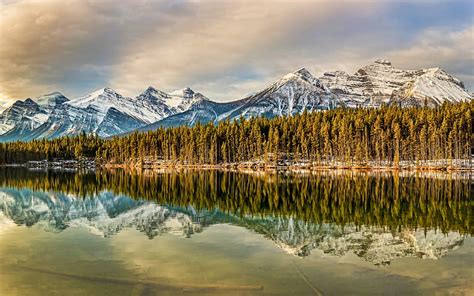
[377, 216]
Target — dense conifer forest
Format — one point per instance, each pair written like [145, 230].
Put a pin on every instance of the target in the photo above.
[383, 136]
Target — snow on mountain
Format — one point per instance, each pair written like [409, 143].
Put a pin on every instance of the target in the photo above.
[201, 111]
[29, 113]
[104, 99]
[106, 214]
[20, 119]
[156, 101]
[23, 117]
[381, 83]
[432, 87]
[51, 101]
[371, 85]
[183, 99]
[176, 101]
[292, 94]
[103, 112]
[116, 122]
[117, 114]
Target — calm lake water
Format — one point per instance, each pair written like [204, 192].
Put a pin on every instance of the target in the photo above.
[222, 233]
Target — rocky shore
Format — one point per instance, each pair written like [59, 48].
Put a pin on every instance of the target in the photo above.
[282, 165]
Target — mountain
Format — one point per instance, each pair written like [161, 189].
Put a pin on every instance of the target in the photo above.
[185, 107]
[103, 112]
[30, 112]
[20, 119]
[106, 214]
[203, 111]
[51, 101]
[181, 100]
[168, 104]
[107, 113]
[59, 116]
[104, 99]
[381, 83]
[294, 93]
[432, 87]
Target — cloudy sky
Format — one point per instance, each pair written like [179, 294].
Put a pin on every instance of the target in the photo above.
[224, 49]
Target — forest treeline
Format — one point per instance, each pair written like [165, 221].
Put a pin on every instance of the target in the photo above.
[388, 200]
[384, 136]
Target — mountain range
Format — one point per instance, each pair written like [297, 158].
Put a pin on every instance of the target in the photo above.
[107, 113]
[106, 214]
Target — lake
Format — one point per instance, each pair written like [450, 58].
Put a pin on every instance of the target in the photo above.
[210, 232]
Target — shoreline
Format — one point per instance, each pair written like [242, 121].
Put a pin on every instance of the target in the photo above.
[89, 164]
[289, 168]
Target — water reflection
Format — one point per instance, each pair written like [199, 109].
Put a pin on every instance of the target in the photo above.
[378, 217]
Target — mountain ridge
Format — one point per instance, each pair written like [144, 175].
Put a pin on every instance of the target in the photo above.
[107, 113]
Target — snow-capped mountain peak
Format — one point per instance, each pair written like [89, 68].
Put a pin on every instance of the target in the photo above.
[186, 93]
[182, 99]
[439, 73]
[100, 98]
[152, 94]
[380, 82]
[431, 87]
[51, 100]
[303, 75]
[292, 94]
[21, 118]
